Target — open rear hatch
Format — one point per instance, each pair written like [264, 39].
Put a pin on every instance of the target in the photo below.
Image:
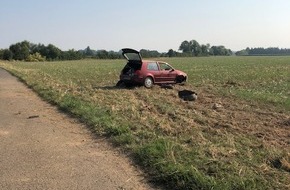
[131, 55]
[134, 63]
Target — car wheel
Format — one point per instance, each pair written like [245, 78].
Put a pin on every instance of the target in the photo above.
[180, 79]
[148, 83]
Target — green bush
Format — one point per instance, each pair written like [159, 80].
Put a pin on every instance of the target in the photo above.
[36, 57]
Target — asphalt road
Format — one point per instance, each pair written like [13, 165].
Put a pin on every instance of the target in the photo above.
[42, 148]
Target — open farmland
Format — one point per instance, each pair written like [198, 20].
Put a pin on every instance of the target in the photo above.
[235, 136]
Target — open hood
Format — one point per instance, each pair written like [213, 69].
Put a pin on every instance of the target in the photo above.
[131, 54]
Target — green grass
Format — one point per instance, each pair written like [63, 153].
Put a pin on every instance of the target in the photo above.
[185, 145]
[264, 79]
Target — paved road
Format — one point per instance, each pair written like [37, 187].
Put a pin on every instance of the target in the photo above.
[41, 148]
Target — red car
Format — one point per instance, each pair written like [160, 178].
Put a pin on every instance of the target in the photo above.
[148, 73]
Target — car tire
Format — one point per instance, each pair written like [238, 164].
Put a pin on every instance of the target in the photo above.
[148, 82]
[180, 79]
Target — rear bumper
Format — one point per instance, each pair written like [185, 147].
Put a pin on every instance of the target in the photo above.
[132, 79]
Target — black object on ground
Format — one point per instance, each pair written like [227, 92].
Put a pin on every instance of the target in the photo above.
[187, 95]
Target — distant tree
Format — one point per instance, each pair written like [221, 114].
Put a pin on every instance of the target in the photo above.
[242, 52]
[195, 48]
[144, 53]
[20, 50]
[40, 48]
[185, 47]
[88, 52]
[33, 52]
[190, 47]
[71, 55]
[6, 54]
[102, 54]
[149, 53]
[205, 50]
[263, 51]
[114, 55]
[220, 50]
[1, 53]
[52, 52]
[171, 53]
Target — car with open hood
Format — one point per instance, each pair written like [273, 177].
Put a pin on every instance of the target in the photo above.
[148, 73]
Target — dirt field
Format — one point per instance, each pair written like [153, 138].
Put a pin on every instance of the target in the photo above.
[262, 122]
[41, 148]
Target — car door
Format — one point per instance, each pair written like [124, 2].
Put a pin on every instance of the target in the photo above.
[167, 72]
[153, 70]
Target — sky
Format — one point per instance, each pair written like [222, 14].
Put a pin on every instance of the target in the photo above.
[148, 24]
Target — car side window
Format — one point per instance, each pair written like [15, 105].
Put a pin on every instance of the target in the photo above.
[152, 66]
[164, 66]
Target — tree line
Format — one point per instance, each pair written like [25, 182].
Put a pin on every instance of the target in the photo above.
[263, 51]
[26, 51]
[193, 48]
